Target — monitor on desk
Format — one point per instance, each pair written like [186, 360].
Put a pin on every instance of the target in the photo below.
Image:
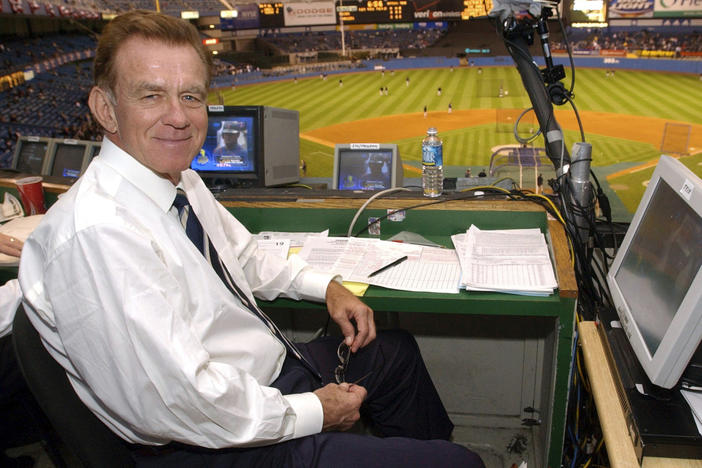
[94, 149]
[68, 158]
[250, 146]
[30, 154]
[656, 277]
[366, 166]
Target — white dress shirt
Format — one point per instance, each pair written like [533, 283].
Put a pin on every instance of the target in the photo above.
[152, 341]
[10, 298]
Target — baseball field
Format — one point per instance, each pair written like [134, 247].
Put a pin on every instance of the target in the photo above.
[624, 116]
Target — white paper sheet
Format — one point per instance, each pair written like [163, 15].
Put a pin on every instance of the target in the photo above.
[514, 261]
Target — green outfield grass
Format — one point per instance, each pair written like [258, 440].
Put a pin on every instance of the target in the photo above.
[322, 103]
[630, 187]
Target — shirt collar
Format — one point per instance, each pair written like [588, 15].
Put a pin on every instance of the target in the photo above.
[160, 190]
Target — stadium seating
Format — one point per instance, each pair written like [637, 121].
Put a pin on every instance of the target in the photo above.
[17, 54]
[356, 40]
[635, 39]
[54, 103]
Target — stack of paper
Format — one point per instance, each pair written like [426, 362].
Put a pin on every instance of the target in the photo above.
[427, 269]
[513, 261]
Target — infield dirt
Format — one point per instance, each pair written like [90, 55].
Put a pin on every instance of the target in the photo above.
[397, 127]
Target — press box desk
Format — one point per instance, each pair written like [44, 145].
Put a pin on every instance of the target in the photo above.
[620, 448]
[491, 355]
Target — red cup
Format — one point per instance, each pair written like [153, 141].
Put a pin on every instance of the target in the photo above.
[32, 194]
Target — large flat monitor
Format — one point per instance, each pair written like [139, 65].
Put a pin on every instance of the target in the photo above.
[249, 146]
[30, 154]
[366, 166]
[656, 280]
[68, 158]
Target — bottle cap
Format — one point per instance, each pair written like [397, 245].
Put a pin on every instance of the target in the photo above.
[432, 131]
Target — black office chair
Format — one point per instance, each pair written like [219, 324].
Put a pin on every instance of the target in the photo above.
[83, 433]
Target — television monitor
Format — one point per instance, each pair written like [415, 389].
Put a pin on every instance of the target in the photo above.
[30, 154]
[656, 279]
[250, 146]
[366, 166]
[94, 149]
[67, 158]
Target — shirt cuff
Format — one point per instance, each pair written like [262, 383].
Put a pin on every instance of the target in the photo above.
[309, 413]
[313, 284]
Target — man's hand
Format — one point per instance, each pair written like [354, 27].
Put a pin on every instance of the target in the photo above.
[341, 404]
[10, 245]
[343, 307]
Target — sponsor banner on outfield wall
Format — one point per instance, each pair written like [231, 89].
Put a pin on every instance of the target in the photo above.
[246, 18]
[439, 10]
[677, 8]
[305, 14]
[655, 53]
[612, 53]
[630, 9]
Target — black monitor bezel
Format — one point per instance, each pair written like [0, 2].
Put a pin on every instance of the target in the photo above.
[225, 178]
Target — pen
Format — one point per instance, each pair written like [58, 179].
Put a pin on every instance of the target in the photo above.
[389, 265]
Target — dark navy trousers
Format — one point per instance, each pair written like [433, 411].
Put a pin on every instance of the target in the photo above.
[402, 407]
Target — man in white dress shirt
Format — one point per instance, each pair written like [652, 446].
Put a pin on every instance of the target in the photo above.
[156, 345]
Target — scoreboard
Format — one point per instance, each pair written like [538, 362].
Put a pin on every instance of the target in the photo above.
[376, 11]
[271, 14]
[408, 11]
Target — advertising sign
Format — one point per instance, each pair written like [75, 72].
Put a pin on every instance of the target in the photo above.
[677, 8]
[246, 18]
[631, 9]
[306, 14]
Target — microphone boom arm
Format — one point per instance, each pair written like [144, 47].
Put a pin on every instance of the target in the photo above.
[517, 39]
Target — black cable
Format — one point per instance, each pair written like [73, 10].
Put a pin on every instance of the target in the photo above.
[570, 53]
[577, 117]
[423, 204]
[496, 193]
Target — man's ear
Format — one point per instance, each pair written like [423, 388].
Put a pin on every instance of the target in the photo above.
[102, 106]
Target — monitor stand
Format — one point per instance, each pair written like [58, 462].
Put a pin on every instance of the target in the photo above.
[660, 421]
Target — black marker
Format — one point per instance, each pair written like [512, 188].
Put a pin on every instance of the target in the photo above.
[389, 265]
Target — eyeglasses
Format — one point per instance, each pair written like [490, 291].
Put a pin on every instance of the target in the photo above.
[344, 354]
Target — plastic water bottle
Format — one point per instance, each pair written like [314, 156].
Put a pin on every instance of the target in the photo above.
[432, 164]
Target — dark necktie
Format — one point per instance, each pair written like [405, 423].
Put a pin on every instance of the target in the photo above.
[195, 232]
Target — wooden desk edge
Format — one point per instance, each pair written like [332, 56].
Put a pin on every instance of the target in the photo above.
[567, 285]
[9, 181]
[620, 448]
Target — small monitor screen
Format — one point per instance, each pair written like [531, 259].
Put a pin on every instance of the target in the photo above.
[68, 160]
[94, 150]
[364, 169]
[661, 263]
[230, 146]
[31, 156]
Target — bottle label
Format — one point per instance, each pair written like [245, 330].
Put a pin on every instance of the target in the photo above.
[432, 155]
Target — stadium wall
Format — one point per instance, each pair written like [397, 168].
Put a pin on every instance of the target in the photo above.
[618, 63]
[662, 65]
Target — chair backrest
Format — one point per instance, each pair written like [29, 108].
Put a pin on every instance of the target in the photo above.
[93, 443]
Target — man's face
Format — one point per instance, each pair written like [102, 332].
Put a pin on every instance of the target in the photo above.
[160, 107]
[230, 139]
